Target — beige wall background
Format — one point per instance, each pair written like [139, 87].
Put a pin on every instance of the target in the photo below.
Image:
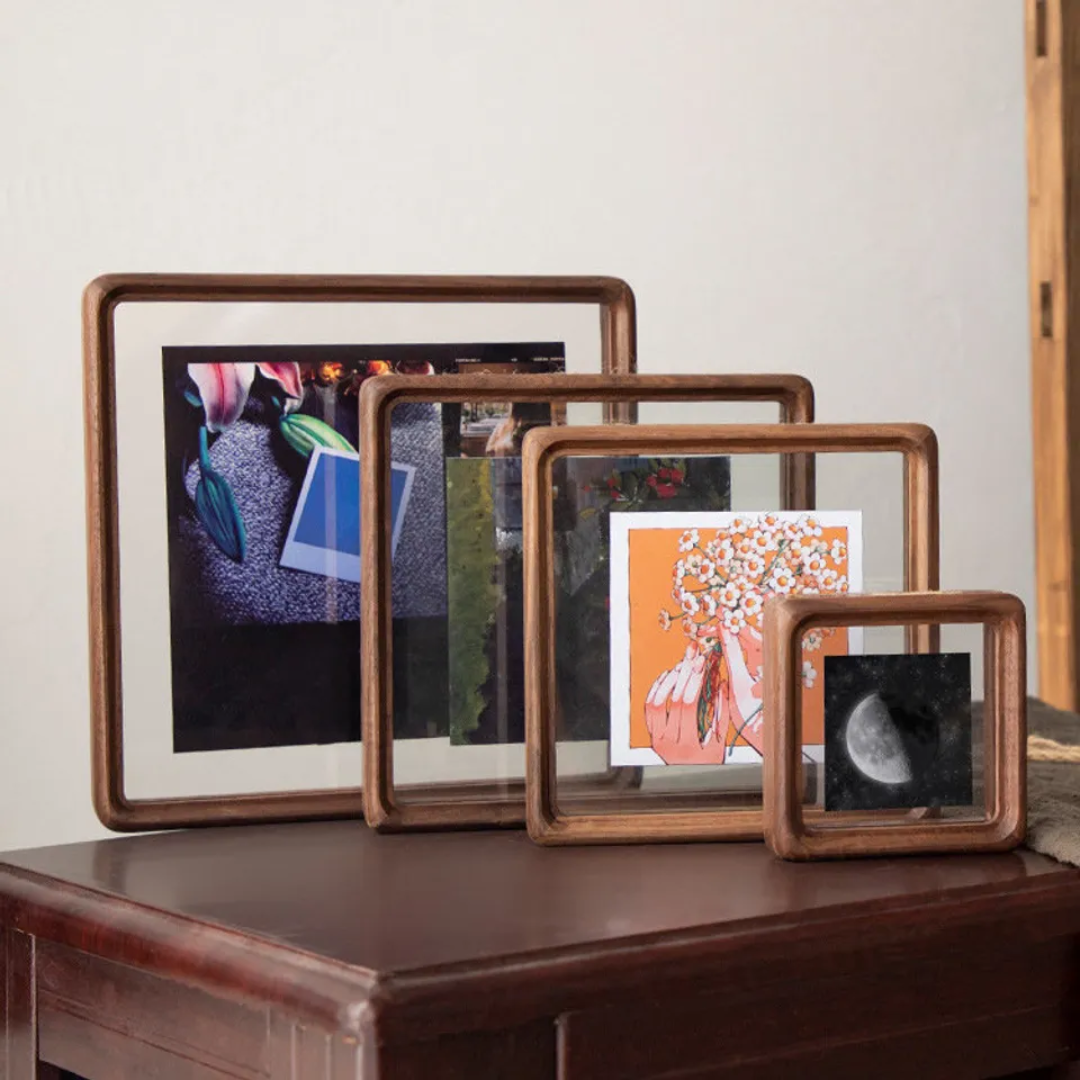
[822, 186]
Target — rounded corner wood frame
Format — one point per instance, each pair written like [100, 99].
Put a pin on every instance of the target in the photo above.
[788, 618]
[101, 298]
[488, 804]
[547, 823]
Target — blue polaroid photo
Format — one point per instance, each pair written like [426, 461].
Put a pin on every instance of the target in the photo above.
[324, 535]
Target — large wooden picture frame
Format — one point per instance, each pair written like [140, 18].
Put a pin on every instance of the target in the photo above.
[116, 809]
[503, 803]
[827, 835]
[548, 820]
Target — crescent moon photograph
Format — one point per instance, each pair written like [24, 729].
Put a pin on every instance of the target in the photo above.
[897, 731]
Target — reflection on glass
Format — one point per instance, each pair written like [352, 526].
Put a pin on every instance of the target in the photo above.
[903, 735]
[433, 556]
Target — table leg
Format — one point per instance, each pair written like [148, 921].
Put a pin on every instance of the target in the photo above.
[297, 1052]
[18, 1007]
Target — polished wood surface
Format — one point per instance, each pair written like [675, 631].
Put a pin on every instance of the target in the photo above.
[402, 906]
[285, 950]
[1053, 105]
[790, 829]
[503, 803]
[615, 302]
[550, 819]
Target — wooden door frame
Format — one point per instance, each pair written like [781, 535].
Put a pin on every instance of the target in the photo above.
[1053, 106]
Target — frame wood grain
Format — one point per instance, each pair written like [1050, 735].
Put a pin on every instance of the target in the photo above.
[102, 296]
[502, 803]
[787, 832]
[1053, 107]
[621, 821]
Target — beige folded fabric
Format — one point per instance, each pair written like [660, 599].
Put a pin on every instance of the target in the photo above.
[1054, 782]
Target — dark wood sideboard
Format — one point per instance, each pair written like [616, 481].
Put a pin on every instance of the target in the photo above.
[325, 950]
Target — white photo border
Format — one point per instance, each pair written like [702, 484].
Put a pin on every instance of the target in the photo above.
[621, 752]
[152, 771]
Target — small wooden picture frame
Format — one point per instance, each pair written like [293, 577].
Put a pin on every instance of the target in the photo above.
[787, 831]
[502, 803]
[657, 818]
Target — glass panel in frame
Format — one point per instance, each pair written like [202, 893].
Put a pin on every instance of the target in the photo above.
[900, 730]
[481, 675]
[686, 600]
[223, 479]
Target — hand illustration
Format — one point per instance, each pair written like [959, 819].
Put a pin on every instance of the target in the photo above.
[743, 692]
[734, 683]
[720, 583]
[671, 713]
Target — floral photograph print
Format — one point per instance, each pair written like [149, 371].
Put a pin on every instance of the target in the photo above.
[687, 594]
[262, 475]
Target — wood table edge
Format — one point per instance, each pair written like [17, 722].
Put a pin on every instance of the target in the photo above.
[509, 990]
[503, 990]
[220, 960]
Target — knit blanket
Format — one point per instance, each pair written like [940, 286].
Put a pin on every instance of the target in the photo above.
[1054, 782]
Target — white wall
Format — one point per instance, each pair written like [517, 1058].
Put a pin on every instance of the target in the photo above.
[826, 186]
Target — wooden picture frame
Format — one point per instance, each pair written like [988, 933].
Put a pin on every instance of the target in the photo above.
[834, 835]
[621, 821]
[503, 803]
[114, 806]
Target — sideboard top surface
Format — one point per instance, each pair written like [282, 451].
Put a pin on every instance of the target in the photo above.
[343, 924]
[394, 904]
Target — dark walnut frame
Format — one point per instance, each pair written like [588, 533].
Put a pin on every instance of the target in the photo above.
[502, 803]
[615, 301]
[620, 820]
[787, 619]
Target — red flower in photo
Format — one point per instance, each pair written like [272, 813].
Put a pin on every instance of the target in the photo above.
[663, 487]
[614, 488]
[325, 374]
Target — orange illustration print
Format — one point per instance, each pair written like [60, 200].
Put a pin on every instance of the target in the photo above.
[693, 610]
